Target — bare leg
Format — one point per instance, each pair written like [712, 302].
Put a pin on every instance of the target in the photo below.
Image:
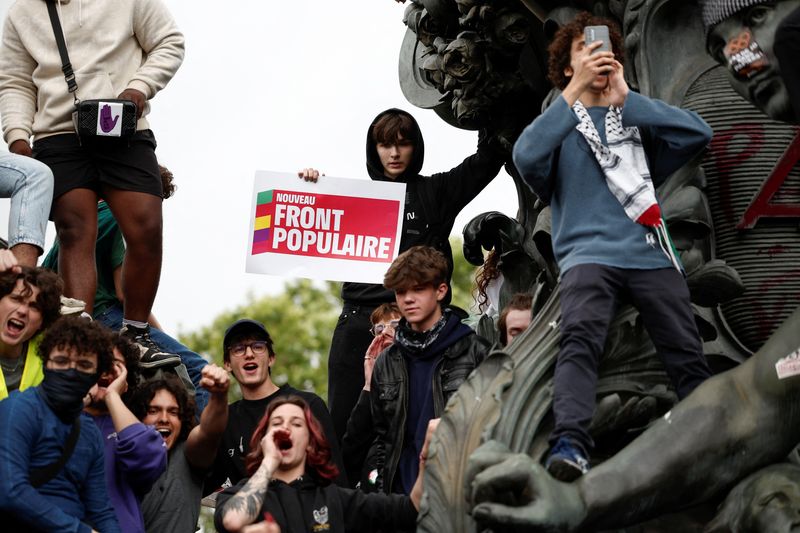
[75, 215]
[139, 217]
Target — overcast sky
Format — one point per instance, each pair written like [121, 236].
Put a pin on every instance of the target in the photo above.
[272, 85]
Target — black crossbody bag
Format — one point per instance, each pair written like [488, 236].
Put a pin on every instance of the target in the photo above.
[112, 117]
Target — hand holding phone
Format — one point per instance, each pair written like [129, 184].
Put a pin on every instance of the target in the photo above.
[597, 33]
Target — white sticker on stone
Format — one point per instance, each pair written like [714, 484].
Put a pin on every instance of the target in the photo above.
[788, 366]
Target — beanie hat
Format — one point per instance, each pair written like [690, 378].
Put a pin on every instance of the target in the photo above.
[715, 11]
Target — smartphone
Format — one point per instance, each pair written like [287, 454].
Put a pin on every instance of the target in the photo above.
[597, 33]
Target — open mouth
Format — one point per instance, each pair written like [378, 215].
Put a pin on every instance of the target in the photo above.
[283, 441]
[249, 367]
[15, 326]
[165, 432]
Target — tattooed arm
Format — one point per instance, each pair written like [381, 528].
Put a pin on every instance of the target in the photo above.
[244, 507]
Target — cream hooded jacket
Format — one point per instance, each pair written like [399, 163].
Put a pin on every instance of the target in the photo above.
[113, 45]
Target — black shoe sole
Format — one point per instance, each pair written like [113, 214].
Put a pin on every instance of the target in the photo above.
[167, 361]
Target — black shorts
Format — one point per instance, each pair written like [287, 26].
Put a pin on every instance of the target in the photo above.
[128, 165]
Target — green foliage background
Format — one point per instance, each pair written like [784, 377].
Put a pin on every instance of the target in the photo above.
[301, 320]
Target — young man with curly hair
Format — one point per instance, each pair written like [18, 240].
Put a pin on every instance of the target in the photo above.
[30, 300]
[432, 355]
[45, 486]
[595, 155]
[173, 503]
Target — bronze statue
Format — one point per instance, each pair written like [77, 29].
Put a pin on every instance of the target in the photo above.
[766, 501]
[733, 217]
[732, 424]
[740, 36]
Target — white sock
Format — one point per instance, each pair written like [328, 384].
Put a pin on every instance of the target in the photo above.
[134, 323]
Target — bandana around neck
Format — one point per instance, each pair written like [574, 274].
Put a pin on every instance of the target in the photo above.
[418, 341]
[624, 166]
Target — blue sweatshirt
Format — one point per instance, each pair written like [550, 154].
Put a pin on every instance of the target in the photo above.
[134, 459]
[589, 224]
[32, 436]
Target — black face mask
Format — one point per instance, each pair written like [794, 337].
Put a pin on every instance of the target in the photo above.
[64, 391]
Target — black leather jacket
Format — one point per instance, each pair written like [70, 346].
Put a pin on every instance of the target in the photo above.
[389, 398]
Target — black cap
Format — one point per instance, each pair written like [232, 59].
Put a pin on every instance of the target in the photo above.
[245, 324]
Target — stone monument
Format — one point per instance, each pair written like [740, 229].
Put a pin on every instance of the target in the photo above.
[733, 216]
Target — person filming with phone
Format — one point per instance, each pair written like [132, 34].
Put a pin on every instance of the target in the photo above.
[595, 156]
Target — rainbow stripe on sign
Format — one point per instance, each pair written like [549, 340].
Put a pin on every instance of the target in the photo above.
[263, 223]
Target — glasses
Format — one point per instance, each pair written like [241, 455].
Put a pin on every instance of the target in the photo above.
[377, 329]
[257, 347]
[63, 362]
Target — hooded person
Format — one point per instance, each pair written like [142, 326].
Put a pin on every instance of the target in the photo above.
[395, 152]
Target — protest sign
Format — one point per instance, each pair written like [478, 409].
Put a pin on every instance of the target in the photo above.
[336, 229]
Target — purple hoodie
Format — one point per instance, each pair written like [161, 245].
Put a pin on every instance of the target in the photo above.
[134, 459]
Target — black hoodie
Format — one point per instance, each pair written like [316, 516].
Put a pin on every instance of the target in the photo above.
[432, 203]
[311, 504]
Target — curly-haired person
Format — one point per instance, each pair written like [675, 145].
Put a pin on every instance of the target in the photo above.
[595, 155]
[173, 503]
[51, 457]
[30, 300]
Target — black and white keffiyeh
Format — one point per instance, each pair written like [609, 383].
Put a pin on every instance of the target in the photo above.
[624, 166]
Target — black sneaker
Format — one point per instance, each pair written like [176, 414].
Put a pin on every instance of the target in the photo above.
[151, 355]
[566, 461]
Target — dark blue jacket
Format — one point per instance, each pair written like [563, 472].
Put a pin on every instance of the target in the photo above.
[76, 499]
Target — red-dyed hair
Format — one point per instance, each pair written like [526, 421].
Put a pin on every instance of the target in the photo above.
[318, 458]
